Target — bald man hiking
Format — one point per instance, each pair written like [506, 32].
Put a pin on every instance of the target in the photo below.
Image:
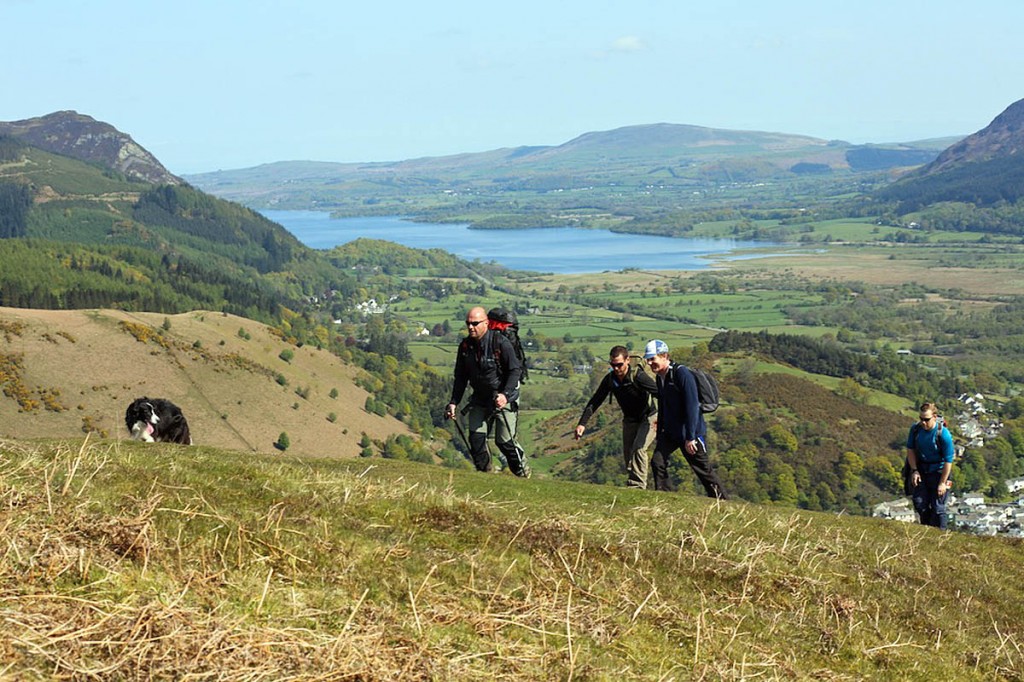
[487, 361]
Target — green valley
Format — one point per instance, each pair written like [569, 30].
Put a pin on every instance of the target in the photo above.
[874, 312]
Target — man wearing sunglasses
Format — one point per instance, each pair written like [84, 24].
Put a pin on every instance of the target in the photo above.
[487, 361]
[634, 390]
[930, 456]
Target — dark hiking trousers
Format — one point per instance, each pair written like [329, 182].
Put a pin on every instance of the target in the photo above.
[699, 462]
[502, 425]
[930, 508]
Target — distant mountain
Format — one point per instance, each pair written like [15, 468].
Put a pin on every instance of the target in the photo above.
[81, 137]
[1002, 138]
[667, 141]
[102, 223]
[670, 140]
[983, 169]
[681, 155]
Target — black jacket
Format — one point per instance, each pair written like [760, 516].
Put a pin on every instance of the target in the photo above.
[490, 366]
[633, 395]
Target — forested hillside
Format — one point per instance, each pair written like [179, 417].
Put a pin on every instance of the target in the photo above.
[87, 237]
[984, 170]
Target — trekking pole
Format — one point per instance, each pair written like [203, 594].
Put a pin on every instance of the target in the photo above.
[462, 433]
[523, 466]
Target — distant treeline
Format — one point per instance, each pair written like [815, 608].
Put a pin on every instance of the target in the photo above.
[177, 249]
[15, 202]
[985, 183]
[989, 336]
[10, 148]
[61, 276]
[393, 259]
[253, 240]
[870, 158]
[885, 371]
[1003, 218]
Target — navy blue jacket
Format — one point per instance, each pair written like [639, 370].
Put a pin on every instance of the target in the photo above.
[679, 416]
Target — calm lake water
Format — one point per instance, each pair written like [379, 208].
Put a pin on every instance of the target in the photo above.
[554, 249]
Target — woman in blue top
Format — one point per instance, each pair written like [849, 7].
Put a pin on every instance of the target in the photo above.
[930, 454]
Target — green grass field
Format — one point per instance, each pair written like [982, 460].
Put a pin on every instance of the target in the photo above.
[860, 230]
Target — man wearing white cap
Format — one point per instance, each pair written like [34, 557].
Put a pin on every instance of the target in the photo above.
[680, 422]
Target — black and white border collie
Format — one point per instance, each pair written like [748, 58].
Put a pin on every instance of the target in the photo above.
[156, 420]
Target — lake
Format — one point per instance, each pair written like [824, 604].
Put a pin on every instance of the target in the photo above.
[550, 249]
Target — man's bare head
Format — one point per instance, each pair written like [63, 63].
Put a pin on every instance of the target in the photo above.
[476, 322]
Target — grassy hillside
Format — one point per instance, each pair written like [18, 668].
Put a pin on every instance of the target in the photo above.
[124, 561]
[65, 372]
[65, 176]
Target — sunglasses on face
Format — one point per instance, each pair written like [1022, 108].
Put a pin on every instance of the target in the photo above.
[473, 323]
[616, 365]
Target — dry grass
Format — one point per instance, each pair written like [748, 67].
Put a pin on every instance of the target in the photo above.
[123, 562]
[226, 385]
[83, 593]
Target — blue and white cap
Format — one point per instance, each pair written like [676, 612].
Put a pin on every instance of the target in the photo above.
[655, 347]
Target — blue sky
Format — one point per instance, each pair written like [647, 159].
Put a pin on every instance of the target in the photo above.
[223, 84]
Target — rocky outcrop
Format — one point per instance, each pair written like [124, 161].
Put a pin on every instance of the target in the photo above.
[82, 137]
